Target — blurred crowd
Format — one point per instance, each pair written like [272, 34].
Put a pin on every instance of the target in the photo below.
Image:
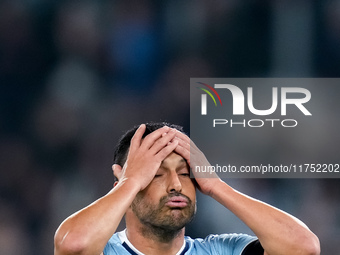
[74, 75]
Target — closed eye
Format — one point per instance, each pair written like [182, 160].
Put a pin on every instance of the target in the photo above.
[185, 174]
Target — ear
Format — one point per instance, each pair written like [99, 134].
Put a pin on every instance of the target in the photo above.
[117, 171]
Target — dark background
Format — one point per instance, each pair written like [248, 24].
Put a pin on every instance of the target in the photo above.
[75, 74]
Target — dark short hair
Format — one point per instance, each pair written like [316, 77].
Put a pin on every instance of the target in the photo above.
[122, 148]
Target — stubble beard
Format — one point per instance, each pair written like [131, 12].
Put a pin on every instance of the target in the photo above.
[160, 221]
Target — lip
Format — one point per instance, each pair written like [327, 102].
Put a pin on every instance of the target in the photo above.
[177, 202]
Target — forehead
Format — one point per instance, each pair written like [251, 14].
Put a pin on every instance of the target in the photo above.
[173, 159]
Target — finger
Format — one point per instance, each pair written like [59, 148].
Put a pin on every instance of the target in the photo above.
[150, 139]
[137, 138]
[184, 140]
[162, 141]
[183, 136]
[163, 153]
[189, 145]
[183, 143]
[185, 153]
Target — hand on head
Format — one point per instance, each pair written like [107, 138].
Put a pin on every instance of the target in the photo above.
[146, 155]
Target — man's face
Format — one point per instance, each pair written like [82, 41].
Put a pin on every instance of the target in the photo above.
[169, 201]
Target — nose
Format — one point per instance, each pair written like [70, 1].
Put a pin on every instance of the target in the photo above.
[174, 184]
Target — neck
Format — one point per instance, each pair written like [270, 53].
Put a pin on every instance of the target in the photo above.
[154, 240]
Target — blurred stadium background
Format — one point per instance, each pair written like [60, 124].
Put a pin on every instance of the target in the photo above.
[75, 74]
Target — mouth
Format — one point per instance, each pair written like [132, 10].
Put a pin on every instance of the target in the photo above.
[177, 202]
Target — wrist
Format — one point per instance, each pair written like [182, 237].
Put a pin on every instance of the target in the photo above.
[218, 187]
[128, 184]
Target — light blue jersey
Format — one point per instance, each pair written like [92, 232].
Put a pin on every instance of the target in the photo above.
[225, 244]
